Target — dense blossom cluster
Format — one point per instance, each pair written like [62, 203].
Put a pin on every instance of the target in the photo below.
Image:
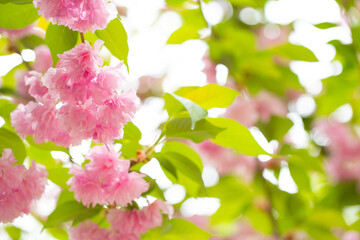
[344, 150]
[79, 15]
[88, 94]
[19, 186]
[106, 179]
[125, 224]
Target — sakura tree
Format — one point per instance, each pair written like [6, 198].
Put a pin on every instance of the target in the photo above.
[253, 150]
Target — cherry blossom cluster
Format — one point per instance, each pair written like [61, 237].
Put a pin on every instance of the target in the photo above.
[79, 15]
[125, 224]
[343, 147]
[19, 186]
[106, 179]
[78, 88]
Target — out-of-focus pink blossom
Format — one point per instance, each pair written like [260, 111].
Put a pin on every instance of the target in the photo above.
[209, 69]
[136, 222]
[270, 36]
[21, 88]
[248, 111]
[244, 111]
[106, 179]
[89, 231]
[150, 85]
[226, 161]
[351, 235]
[344, 150]
[268, 105]
[19, 186]
[17, 33]
[43, 60]
[79, 15]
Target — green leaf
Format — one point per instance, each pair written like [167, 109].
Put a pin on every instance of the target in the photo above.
[59, 234]
[326, 25]
[13, 16]
[276, 128]
[181, 128]
[209, 96]
[16, 1]
[187, 172]
[60, 39]
[295, 52]
[49, 146]
[176, 229]
[14, 232]
[59, 176]
[10, 140]
[32, 41]
[236, 136]
[68, 211]
[183, 149]
[227, 190]
[130, 142]
[175, 106]
[183, 34]
[6, 107]
[43, 157]
[116, 40]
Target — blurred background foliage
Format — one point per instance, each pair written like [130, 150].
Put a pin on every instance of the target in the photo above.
[292, 172]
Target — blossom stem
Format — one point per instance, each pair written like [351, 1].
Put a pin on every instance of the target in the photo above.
[270, 199]
[82, 37]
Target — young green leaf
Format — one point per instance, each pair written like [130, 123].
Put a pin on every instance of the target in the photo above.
[176, 105]
[236, 136]
[60, 39]
[10, 140]
[15, 16]
[176, 229]
[181, 128]
[116, 40]
[209, 96]
[68, 211]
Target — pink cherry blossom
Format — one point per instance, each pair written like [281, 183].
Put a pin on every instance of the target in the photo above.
[106, 179]
[88, 94]
[79, 15]
[351, 235]
[244, 111]
[17, 33]
[268, 105]
[343, 148]
[89, 231]
[75, 73]
[19, 186]
[226, 161]
[21, 87]
[36, 89]
[209, 69]
[43, 60]
[41, 121]
[127, 222]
